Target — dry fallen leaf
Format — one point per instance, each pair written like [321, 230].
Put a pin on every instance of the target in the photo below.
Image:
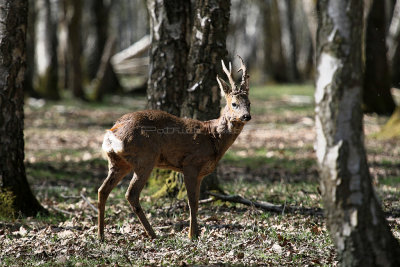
[277, 248]
[316, 230]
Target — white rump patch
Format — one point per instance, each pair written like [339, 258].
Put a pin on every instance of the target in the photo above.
[112, 143]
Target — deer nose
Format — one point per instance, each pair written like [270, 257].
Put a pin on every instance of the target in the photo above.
[246, 117]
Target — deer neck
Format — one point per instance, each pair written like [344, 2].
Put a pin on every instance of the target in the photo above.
[224, 132]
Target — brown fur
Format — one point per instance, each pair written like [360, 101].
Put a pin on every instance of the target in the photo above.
[142, 140]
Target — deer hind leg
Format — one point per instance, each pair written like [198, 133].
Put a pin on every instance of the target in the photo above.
[136, 185]
[192, 183]
[117, 169]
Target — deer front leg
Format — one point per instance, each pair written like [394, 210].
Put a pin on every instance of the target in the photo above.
[132, 195]
[192, 183]
[117, 171]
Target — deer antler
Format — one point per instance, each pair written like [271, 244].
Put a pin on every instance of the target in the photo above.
[229, 74]
[244, 85]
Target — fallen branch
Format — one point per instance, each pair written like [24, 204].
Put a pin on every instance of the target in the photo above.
[88, 202]
[136, 50]
[207, 200]
[267, 206]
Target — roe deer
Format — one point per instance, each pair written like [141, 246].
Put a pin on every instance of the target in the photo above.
[142, 140]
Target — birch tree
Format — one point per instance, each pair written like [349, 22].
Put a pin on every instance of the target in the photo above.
[354, 217]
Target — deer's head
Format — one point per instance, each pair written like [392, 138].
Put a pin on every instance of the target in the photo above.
[237, 95]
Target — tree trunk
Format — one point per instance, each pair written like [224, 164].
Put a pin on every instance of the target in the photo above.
[355, 220]
[274, 60]
[169, 31]
[100, 23]
[377, 97]
[184, 60]
[74, 21]
[309, 7]
[13, 14]
[392, 40]
[30, 52]
[286, 11]
[169, 21]
[106, 80]
[207, 48]
[46, 82]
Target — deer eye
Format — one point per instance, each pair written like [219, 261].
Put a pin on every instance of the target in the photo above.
[234, 105]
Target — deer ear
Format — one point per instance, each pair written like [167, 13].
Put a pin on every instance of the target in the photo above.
[225, 89]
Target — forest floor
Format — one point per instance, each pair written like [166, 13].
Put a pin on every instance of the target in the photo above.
[273, 160]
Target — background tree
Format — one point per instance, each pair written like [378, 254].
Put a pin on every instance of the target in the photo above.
[286, 13]
[100, 20]
[13, 14]
[392, 41]
[74, 22]
[46, 80]
[355, 220]
[30, 52]
[377, 96]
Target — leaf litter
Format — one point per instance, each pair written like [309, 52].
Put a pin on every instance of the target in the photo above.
[64, 161]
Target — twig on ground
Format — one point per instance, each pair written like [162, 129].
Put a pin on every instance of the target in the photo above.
[267, 206]
[207, 200]
[163, 227]
[127, 258]
[88, 202]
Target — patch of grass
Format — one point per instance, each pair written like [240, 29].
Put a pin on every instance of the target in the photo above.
[259, 159]
[282, 99]
[390, 181]
[270, 92]
[231, 234]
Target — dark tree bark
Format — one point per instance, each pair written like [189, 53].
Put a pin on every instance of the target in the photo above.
[100, 23]
[74, 21]
[274, 60]
[169, 25]
[354, 217]
[30, 52]
[46, 81]
[286, 8]
[13, 15]
[376, 96]
[207, 48]
[186, 52]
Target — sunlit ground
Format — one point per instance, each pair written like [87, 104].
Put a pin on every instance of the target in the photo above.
[273, 160]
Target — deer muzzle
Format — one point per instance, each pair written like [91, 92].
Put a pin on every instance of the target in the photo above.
[245, 117]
